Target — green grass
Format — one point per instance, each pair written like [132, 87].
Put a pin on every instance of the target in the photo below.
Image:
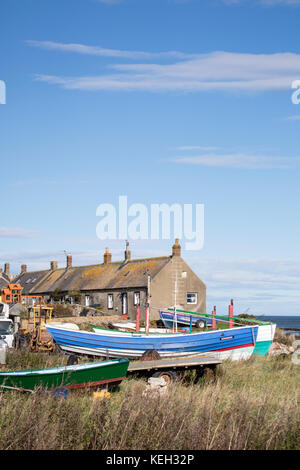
[249, 405]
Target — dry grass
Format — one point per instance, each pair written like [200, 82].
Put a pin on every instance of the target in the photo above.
[251, 405]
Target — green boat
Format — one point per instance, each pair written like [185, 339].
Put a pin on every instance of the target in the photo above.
[92, 374]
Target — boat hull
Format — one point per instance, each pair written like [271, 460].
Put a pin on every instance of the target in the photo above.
[265, 336]
[71, 377]
[235, 344]
[168, 319]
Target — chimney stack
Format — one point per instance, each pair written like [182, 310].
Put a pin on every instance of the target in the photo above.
[69, 260]
[127, 252]
[6, 269]
[23, 268]
[176, 248]
[107, 257]
[53, 265]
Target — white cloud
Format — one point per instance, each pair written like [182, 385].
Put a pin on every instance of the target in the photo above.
[110, 2]
[264, 286]
[264, 2]
[195, 147]
[239, 160]
[104, 52]
[294, 118]
[203, 72]
[6, 232]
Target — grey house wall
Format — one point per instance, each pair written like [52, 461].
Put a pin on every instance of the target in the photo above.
[163, 288]
[101, 298]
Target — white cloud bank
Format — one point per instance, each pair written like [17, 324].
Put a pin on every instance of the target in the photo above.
[265, 286]
[6, 232]
[189, 73]
[240, 160]
[264, 2]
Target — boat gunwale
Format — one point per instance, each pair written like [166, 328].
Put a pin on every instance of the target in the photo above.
[158, 335]
[63, 369]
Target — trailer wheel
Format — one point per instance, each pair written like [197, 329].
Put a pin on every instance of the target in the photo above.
[200, 324]
[168, 375]
[72, 360]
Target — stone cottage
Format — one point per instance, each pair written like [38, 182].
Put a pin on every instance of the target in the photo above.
[118, 286]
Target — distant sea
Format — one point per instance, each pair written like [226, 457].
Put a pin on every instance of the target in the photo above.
[283, 321]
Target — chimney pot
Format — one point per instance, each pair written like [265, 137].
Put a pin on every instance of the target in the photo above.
[6, 269]
[107, 256]
[127, 252]
[176, 248]
[69, 260]
[23, 268]
[53, 265]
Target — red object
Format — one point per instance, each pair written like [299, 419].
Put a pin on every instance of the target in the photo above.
[138, 312]
[230, 311]
[124, 316]
[214, 323]
[147, 322]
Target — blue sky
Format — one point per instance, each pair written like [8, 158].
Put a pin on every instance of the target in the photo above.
[164, 101]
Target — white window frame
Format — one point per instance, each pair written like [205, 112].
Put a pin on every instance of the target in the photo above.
[110, 301]
[87, 299]
[195, 299]
[136, 298]
[124, 303]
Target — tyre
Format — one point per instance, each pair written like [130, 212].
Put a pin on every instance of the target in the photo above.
[200, 324]
[168, 375]
[72, 360]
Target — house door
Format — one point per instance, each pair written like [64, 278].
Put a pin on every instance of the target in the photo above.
[124, 304]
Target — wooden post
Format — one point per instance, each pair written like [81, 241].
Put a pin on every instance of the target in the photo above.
[137, 322]
[214, 323]
[147, 319]
[231, 314]
[175, 313]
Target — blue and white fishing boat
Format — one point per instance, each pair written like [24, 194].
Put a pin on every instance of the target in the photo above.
[234, 344]
[265, 336]
[265, 330]
[184, 319]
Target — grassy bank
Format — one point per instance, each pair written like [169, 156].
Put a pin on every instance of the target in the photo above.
[250, 405]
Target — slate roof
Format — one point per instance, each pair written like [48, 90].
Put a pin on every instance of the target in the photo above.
[4, 280]
[116, 275]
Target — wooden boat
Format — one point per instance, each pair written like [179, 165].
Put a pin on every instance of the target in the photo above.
[265, 330]
[184, 319]
[94, 374]
[235, 344]
[265, 336]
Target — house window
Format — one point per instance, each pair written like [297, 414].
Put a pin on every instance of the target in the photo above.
[124, 304]
[191, 298]
[87, 300]
[136, 298]
[110, 301]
